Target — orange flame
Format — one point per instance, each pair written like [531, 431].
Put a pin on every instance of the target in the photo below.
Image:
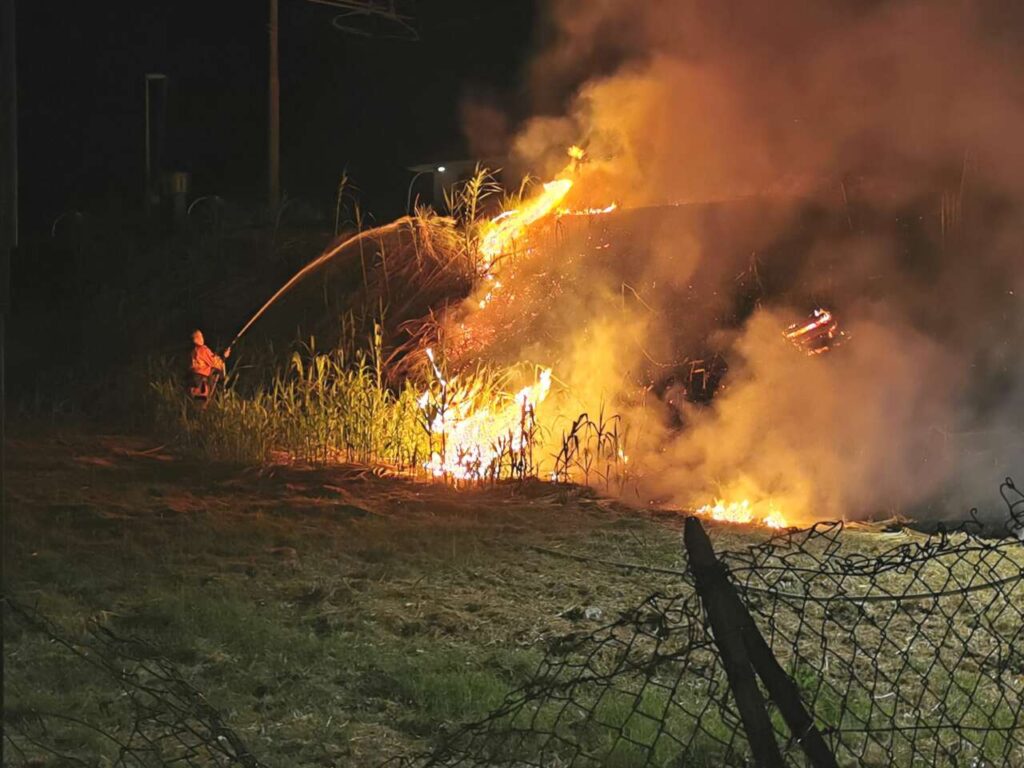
[588, 211]
[475, 436]
[817, 335]
[503, 231]
[500, 234]
[742, 513]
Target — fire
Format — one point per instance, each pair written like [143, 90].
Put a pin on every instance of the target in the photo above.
[819, 334]
[474, 436]
[742, 512]
[588, 211]
[733, 512]
[503, 231]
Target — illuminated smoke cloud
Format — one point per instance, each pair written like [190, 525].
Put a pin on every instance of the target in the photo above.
[895, 114]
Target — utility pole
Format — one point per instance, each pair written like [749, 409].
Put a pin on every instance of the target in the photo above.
[8, 226]
[353, 13]
[274, 125]
[8, 148]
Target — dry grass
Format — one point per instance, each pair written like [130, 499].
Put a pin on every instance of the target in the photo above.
[333, 615]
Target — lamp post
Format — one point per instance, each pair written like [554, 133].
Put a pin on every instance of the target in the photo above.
[150, 77]
[408, 196]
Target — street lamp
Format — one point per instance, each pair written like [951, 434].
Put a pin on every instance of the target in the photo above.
[408, 196]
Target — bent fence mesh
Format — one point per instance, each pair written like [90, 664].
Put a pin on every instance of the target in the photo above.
[153, 718]
[905, 653]
[913, 655]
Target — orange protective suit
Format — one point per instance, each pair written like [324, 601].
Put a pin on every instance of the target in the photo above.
[205, 361]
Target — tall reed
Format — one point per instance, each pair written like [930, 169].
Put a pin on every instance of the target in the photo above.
[322, 407]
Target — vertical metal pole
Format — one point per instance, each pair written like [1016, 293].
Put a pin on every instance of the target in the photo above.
[9, 140]
[274, 127]
[149, 163]
[8, 227]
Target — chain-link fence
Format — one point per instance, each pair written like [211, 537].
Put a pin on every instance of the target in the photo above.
[905, 653]
[816, 647]
[151, 716]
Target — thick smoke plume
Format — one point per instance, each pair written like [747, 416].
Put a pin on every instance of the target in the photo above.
[712, 100]
[902, 121]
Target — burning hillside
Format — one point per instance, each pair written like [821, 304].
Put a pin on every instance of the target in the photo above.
[686, 272]
[777, 168]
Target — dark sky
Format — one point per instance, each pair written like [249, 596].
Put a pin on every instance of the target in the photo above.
[371, 105]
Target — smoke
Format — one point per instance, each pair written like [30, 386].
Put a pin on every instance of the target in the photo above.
[713, 100]
[877, 146]
[484, 124]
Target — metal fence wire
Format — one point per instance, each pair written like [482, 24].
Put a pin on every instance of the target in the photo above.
[155, 719]
[898, 649]
[902, 652]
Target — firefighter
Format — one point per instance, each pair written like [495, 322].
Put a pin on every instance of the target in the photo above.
[207, 367]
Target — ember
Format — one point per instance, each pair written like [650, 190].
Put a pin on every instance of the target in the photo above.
[819, 334]
[588, 211]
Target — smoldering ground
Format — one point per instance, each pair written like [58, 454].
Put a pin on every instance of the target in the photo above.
[884, 141]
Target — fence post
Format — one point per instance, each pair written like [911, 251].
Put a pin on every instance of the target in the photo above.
[727, 625]
[726, 611]
[786, 696]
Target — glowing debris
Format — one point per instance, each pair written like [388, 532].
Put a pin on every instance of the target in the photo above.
[588, 211]
[818, 334]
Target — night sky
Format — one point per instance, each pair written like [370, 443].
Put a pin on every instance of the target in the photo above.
[372, 106]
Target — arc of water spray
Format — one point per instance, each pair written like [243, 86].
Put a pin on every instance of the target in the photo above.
[321, 259]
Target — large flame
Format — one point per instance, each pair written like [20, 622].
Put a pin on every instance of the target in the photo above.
[475, 436]
[502, 232]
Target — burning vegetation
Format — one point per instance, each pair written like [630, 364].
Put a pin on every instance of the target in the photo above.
[776, 281]
[476, 435]
[660, 275]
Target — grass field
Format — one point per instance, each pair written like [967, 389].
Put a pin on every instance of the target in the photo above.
[333, 616]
